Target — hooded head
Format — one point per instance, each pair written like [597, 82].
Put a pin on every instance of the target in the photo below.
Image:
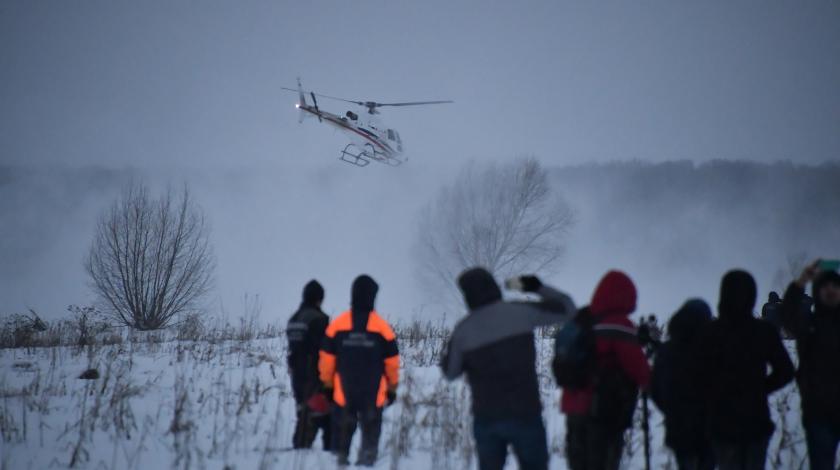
[773, 297]
[363, 294]
[616, 293]
[479, 288]
[689, 319]
[313, 294]
[362, 298]
[827, 302]
[737, 295]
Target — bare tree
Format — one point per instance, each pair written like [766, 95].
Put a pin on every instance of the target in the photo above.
[502, 217]
[151, 260]
[795, 263]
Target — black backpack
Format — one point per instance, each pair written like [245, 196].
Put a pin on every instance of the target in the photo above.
[574, 351]
[575, 366]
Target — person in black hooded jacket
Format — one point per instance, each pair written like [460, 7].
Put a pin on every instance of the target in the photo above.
[305, 331]
[771, 311]
[494, 346]
[736, 350]
[818, 345]
[675, 388]
[359, 367]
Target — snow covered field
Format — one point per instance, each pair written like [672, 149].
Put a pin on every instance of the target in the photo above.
[226, 404]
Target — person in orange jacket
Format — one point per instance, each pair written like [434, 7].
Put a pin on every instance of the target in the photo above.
[359, 367]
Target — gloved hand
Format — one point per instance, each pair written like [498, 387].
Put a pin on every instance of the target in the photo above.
[318, 404]
[530, 283]
[390, 396]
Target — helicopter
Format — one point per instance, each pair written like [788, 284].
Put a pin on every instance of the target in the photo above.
[370, 140]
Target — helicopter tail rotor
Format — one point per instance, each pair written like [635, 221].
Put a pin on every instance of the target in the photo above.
[301, 101]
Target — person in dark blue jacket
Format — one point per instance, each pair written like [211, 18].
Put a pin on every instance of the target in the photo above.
[305, 331]
[817, 337]
[742, 361]
[676, 390]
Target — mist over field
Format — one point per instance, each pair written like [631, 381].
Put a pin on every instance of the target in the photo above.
[675, 227]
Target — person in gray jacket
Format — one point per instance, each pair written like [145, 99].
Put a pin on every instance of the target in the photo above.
[494, 346]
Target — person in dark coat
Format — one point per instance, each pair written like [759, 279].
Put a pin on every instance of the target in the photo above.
[818, 345]
[736, 350]
[675, 388]
[598, 414]
[305, 331]
[494, 347]
[771, 311]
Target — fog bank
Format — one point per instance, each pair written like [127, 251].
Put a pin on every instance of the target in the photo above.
[675, 227]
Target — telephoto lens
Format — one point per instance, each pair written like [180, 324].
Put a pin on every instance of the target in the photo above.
[514, 283]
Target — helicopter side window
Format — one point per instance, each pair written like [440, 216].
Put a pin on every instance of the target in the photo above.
[391, 134]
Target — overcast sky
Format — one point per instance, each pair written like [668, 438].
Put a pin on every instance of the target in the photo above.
[197, 83]
[174, 87]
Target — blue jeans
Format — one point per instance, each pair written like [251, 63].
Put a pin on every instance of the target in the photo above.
[822, 439]
[525, 435]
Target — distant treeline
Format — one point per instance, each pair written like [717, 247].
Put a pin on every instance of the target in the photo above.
[684, 213]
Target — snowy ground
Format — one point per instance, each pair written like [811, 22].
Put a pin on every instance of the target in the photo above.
[227, 405]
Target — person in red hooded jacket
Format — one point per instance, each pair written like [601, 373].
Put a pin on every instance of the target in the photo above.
[598, 413]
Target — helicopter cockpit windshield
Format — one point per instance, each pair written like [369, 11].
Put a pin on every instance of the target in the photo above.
[394, 135]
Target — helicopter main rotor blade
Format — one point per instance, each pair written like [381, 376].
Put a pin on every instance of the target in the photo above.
[372, 105]
[361, 103]
[413, 103]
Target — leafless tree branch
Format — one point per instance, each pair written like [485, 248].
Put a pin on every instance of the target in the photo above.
[151, 260]
[502, 217]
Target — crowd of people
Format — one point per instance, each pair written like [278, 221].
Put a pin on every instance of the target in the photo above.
[711, 378]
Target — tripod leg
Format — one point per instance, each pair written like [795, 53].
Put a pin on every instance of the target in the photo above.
[646, 428]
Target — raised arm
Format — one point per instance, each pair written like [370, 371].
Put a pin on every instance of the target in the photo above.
[794, 320]
[553, 307]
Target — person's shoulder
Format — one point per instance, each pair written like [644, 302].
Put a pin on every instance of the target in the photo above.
[473, 321]
[343, 321]
[618, 320]
[462, 324]
[707, 332]
[377, 324]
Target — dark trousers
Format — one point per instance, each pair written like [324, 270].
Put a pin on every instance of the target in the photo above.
[741, 456]
[526, 436]
[345, 421]
[695, 460]
[307, 426]
[822, 439]
[592, 446]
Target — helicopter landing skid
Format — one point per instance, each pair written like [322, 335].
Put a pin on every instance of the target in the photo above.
[381, 157]
[357, 158]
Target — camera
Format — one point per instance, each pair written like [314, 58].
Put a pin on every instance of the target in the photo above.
[649, 334]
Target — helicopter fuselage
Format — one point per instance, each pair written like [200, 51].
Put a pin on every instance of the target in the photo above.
[375, 143]
[370, 140]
